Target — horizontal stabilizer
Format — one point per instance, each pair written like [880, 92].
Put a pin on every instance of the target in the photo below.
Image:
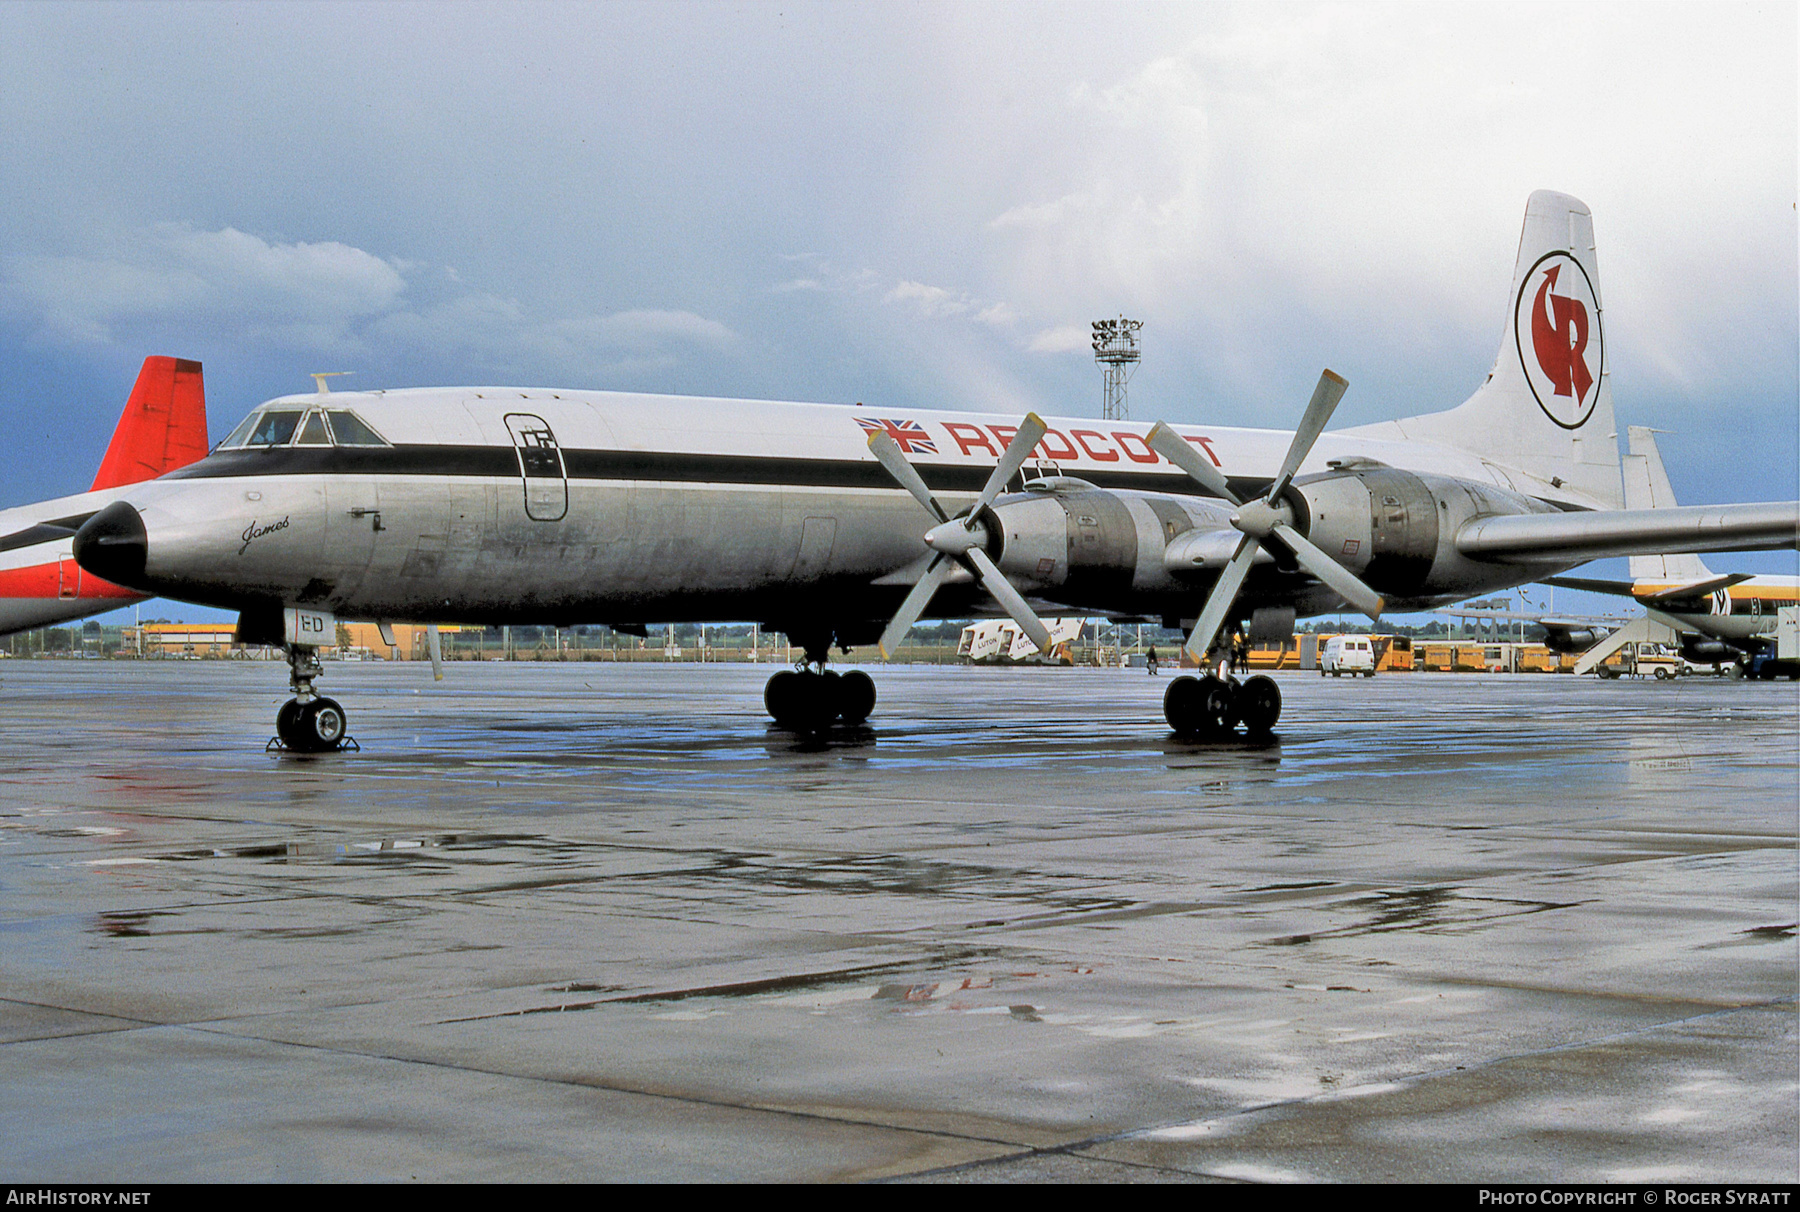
[1629, 589]
[163, 427]
[1572, 537]
[1697, 589]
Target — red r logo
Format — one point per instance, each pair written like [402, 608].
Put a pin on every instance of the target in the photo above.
[1559, 337]
[1558, 312]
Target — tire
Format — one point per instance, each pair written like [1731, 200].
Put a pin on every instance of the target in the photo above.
[1181, 705]
[1201, 707]
[855, 697]
[780, 695]
[1218, 706]
[287, 725]
[802, 702]
[1662, 674]
[323, 724]
[1259, 704]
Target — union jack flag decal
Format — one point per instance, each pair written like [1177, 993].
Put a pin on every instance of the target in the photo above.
[909, 434]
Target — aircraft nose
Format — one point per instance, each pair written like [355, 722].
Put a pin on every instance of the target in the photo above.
[113, 545]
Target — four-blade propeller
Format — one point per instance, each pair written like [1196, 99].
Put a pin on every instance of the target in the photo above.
[1267, 518]
[961, 540]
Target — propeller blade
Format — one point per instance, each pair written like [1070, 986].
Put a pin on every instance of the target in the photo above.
[996, 583]
[1342, 581]
[887, 452]
[1324, 402]
[1224, 593]
[435, 645]
[914, 605]
[1179, 451]
[1031, 432]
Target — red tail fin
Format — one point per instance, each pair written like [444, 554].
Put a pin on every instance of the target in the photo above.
[164, 425]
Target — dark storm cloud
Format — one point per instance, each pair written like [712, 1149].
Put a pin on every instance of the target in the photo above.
[923, 205]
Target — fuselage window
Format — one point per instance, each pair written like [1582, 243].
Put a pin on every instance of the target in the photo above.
[274, 429]
[350, 430]
[314, 433]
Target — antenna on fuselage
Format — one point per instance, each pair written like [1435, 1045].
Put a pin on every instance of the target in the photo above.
[319, 377]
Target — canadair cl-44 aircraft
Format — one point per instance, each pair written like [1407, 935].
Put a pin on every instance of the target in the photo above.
[840, 526]
[163, 427]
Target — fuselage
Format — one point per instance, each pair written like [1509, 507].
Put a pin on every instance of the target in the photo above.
[1744, 611]
[505, 504]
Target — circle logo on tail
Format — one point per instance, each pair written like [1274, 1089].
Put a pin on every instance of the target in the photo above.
[1556, 323]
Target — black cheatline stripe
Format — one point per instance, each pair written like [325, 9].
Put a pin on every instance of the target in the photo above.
[500, 461]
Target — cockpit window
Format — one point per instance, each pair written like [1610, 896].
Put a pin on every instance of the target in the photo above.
[273, 429]
[238, 435]
[320, 427]
[351, 431]
[314, 433]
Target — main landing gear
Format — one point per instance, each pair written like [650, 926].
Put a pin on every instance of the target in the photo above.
[1212, 707]
[309, 722]
[810, 698]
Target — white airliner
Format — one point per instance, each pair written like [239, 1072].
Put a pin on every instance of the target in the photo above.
[1718, 618]
[163, 427]
[842, 525]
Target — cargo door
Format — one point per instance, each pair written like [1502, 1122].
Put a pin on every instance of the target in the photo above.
[353, 527]
[546, 480]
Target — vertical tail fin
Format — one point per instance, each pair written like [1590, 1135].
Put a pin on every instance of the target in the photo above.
[163, 426]
[1546, 410]
[1647, 487]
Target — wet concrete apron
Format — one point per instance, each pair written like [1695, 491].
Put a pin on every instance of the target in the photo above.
[602, 922]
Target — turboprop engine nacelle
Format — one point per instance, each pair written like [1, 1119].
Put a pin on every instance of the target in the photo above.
[1079, 543]
[1396, 530]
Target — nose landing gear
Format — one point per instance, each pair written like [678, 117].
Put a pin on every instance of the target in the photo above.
[309, 722]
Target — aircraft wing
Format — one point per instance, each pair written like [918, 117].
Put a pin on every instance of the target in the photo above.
[1557, 537]
[1504, 616]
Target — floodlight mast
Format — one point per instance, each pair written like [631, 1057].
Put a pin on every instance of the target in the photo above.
[1116, 350]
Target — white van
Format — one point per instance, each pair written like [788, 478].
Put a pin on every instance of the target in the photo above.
[1351, 654]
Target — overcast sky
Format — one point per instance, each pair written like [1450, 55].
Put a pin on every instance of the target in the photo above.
[920, 205]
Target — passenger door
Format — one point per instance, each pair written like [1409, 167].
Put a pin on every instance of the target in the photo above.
[546, 480]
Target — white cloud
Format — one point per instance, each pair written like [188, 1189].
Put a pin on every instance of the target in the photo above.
[632, 327]
[931, 300]
[295, 294]
[1064, 338]
[327, 298]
